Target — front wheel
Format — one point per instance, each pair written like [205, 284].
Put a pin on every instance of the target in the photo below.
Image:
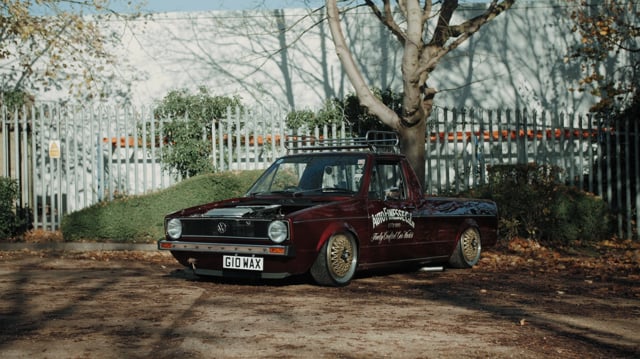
[467, 252]
[336, 263]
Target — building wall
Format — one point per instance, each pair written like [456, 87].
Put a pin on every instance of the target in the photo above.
[286, 57]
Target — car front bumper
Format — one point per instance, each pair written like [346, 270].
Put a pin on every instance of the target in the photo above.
[227, 248]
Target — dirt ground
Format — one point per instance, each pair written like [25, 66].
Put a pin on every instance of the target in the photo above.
[524, 301]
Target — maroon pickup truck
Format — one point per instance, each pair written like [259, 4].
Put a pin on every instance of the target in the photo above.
[331, 211]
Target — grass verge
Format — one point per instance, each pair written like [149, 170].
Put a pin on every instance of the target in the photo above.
[138, 219]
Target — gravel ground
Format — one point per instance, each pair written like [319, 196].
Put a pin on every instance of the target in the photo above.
[522, 302]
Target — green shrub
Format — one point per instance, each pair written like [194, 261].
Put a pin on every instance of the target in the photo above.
[8, 195]
[189, 131]
[577, 215]
[533, 204]
[140, 218]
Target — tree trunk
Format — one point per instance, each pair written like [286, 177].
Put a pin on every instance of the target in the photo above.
[418, 61]
[412, 142]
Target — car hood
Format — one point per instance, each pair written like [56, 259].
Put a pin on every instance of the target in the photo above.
[249, 207]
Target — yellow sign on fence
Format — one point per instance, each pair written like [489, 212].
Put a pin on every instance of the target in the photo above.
[54, 149]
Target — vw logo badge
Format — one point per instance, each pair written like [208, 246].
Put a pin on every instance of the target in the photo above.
[222, 227]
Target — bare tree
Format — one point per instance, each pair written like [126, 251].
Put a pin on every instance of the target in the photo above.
[55, 45]
[426, 33]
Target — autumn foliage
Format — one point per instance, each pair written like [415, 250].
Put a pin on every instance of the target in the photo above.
[52, 45]
[608, 31]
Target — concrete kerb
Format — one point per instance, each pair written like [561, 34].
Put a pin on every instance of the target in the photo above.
[78, 247]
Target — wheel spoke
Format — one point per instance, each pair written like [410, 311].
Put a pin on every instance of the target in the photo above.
[340, 256]
[470, 244]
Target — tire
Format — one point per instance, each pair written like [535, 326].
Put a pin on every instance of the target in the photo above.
[337, 261]
[467, 252]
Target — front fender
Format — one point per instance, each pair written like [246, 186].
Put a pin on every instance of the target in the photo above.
[333, 228]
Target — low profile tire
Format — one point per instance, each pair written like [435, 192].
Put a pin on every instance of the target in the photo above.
[467, 252]
[336, 263]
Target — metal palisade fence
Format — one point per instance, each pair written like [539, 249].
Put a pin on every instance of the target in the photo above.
[253, 139]
[66, 158]
[595, 154]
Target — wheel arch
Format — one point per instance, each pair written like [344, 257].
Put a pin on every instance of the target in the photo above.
[341, 227]
[466, 224]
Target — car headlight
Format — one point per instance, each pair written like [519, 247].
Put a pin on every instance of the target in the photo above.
[278, 231]
[174, 228]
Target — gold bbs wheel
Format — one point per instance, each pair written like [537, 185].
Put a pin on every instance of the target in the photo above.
[470, 245]
[341, 254]
[337, 261]
[467, 252]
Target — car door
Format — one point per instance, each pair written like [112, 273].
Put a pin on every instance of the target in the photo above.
[390, 212]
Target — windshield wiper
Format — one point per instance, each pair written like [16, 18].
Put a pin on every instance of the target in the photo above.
[296, 192]
[337, 189]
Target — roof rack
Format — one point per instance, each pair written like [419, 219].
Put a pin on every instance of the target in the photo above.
[375, 141]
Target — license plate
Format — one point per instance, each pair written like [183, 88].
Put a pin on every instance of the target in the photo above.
[244, 263]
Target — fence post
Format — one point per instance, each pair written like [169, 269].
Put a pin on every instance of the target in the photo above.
[43, 190]
[492, 139]
[5, 144]
[627, 175]
[214, 158]
[521, 136]
[591, 156]
[636, 142]
[229, 142]
[618, 179]
[479, 151]
[16, 153]
[440, 148]
[571, 165]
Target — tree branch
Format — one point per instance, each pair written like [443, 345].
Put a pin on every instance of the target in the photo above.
[387, 19]
[366, 97]
[443, 30]
[471, 26]
[461, 33]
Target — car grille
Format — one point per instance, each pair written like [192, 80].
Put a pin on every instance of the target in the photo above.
[228, 228]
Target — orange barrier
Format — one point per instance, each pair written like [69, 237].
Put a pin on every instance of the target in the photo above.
[122, 141]
[130, 141]
[261, 140]
[513, 134]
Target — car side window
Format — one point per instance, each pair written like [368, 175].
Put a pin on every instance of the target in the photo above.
[387, 182]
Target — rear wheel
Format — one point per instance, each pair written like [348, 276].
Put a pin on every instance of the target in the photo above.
[467, 252]
[336, 263]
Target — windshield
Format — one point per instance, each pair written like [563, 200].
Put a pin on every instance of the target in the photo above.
[315, 174]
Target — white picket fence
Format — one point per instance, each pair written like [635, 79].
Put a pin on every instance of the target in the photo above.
[66, 159]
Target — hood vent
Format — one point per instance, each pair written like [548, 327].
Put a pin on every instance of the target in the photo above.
[229, 212]
[241, 211]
